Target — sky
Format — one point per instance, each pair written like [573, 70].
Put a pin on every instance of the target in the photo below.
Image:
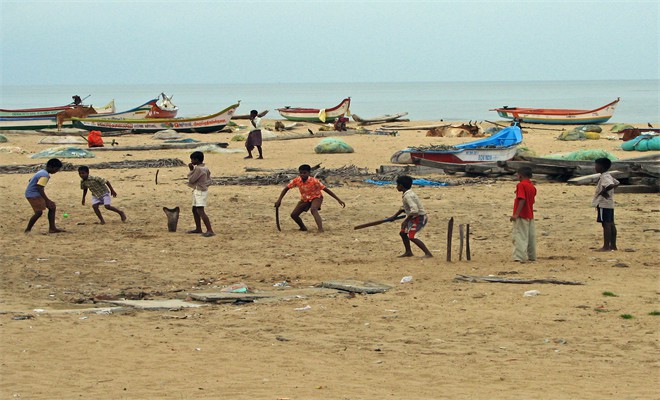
[216, 42]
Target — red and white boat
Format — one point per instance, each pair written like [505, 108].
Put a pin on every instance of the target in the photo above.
[559, 116]
[164, 108]
[316, 114]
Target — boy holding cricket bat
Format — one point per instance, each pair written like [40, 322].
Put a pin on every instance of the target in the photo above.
[415, 217]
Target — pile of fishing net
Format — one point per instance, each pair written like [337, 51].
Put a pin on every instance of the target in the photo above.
[3, 139]
[583, 155]
[583, 132]
[642, 143]
[63, 152]
[332, 146]
[616, 128]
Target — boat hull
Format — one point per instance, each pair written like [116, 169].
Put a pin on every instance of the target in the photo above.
[559, 116]
[50, 111]
[316, 114]
[204, 124]
[468, 156]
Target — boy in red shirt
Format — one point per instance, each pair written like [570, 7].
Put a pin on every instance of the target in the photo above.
[524, 232]
[311, 197]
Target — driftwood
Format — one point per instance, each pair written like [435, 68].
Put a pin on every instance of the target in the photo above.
[638, 189]
[126, 164]
[411, 128]
[472, 168]
[493, 279]
[312, 135]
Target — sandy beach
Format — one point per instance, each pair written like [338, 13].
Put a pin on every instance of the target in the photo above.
[431, 338]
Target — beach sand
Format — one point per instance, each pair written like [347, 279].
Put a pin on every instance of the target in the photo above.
[432, 338]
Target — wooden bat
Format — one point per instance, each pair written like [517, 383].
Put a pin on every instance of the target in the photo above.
[380, 221]
[277, 219]
[450, 229]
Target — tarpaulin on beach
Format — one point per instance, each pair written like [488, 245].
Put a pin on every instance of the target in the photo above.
[419, 182]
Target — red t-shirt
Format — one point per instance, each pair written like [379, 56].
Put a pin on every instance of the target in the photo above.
[309, 190]
[525, 190]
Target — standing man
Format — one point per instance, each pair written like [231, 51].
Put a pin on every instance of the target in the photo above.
[254, 137]
[524, 232]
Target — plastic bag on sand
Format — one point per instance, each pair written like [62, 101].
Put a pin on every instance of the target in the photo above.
[332, 145]
[64, 152]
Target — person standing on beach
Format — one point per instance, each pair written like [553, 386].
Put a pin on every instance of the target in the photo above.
[416, 217]
[254, 137]
[604, 202]
[35, 193]
[524, 231]
[311, 197]
[199, 180]
[101, 191]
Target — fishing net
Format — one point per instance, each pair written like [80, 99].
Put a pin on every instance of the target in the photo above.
[63, 152]
[583, 155]
[642, 143]
[616, 128]
[578, 134]
[332, 146]
[3, 139]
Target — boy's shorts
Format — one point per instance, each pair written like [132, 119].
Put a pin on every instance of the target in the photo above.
[105, 200]
[37, 203]
[605, 215]
[200, 198]
[415, 225]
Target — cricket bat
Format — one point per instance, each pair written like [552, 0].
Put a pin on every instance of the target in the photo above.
[380, 221]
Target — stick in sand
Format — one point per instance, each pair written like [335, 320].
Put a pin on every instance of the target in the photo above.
[461, 236]
[450, 228]
[467, 243]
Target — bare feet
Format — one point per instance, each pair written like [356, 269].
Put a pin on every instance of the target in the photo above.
[405, 255]
[260, 158]
[208, 234]
[194, 231]
[246, 157]
[123, 216]
[56, 230]
[304, 229]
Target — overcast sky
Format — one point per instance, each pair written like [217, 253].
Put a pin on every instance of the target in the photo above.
[185, 42]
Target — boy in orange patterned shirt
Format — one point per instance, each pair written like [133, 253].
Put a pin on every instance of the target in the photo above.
[311, 197]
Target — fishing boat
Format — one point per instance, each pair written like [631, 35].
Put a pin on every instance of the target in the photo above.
[50, 111]
[163, 108]
[316, 114]
[558, 116]
[203, 124]
[48, 121]
[498, 147]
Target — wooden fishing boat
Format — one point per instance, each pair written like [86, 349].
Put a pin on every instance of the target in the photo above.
[204, 124]
[316, 114]
[559, 116]
[498, 147]
[380, 119]
[163, 108]
[50, 111]
[46, 122]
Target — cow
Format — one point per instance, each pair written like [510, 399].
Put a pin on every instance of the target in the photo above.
[462, 130]
[76, 112]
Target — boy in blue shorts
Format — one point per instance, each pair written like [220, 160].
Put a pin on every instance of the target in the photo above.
[604, 202]
[101, 191]
[415, 217]
[35, 193]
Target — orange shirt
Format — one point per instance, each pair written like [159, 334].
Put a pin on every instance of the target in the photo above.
[309, 190]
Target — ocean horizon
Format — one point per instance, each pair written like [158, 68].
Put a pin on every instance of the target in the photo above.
[426, 101]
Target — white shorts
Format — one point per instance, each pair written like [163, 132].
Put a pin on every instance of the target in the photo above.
[105, 200]
[200, 198]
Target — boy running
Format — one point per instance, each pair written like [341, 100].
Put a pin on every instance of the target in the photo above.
[35, 193]
[101, 191]
[311, 197]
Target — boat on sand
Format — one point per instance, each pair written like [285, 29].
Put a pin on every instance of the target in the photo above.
[316, 114]
[558, 115]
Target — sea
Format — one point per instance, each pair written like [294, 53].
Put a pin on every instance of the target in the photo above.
[425, 101]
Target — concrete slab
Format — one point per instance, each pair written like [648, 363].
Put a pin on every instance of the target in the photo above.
[355, 286]
[171, 304]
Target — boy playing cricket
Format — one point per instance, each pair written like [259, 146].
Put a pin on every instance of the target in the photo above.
[101, 191]
[415, 217]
